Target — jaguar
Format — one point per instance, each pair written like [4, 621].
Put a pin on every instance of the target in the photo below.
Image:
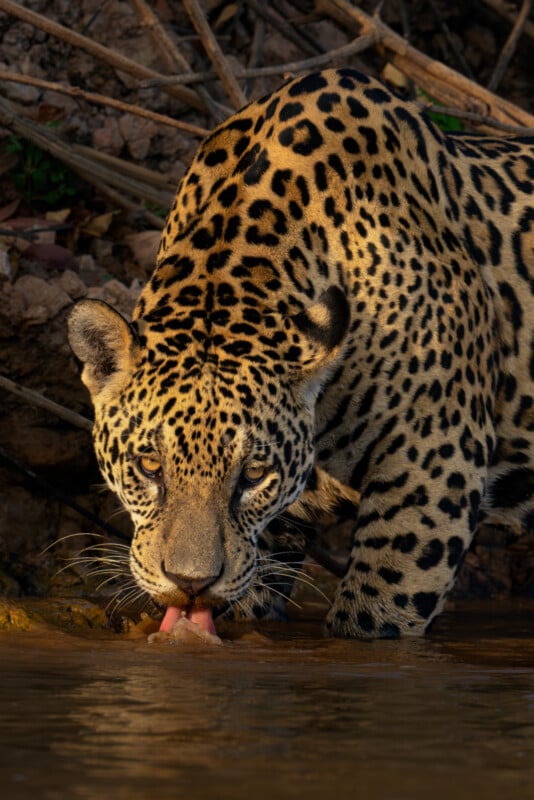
[339, 329]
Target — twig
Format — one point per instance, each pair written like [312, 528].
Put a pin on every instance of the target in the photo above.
[103, 100]
[39, 400]
[504, 10]
[510, 46]
[256, 50]
[61, 496]
[280, 10]
[478, 119]
[58, 67]
[101, 52]
[458, 55]
[31, 234]
[284, 27]
[405, 19]
[127, 168]
[89, 168]
[339, 54]
[439, 81]
[169, 52]
[121, 200]
[215, 54]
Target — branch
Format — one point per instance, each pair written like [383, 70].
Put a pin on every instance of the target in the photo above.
[61, 495]
[339, 54]
[504, 10]
[438, 80]
[510, 45]
[477, 119]
[284, 26]
[101, 52]
[103, 100]
[39, 400]
[169, 52]
[88, 168]
[216, 55]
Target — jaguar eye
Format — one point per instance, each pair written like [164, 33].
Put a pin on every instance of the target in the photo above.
[150, 466]
[252, 474]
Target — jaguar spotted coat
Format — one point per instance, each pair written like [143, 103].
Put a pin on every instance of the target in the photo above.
[342, 310]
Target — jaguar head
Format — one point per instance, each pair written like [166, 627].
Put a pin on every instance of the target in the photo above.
[207, 438]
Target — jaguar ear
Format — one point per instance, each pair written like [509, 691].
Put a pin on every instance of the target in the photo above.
[319, 334]
[103, 341]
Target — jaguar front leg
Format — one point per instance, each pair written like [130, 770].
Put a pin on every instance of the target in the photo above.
[325, 501]
[281, 548]
[416, 519]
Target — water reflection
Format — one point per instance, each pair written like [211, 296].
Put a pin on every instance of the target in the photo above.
[118, 719]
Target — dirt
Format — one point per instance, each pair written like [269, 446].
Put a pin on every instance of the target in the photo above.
[88, 245]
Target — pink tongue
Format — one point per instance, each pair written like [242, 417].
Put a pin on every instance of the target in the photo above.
[200, 616]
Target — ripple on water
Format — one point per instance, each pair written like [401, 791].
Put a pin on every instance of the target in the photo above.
[292, 715]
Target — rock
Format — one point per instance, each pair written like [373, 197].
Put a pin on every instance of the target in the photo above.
[71, 283]
[13, 617]
[61, 451]
[35, 301]
[172, 143]
[5, 265]
[26, 95]
[117, 295]
[137, 133]
[144, 246]
[63, 613]
[108, 138]
[93, 272]
[50, 254]
[68, 105]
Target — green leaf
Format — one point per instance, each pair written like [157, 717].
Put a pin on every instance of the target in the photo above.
[444, 121]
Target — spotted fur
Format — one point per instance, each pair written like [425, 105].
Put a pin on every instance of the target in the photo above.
[342, 310]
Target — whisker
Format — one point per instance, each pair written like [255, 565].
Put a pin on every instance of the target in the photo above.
[69, 536]
[133, 594]
[117, 513]
[107, 569]
[281, 594]
[302, 580]
[106, 581]
[106, 546]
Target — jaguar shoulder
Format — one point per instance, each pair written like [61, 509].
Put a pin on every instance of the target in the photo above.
[340, 320]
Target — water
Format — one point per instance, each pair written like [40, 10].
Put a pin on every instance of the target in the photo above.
[294, 716]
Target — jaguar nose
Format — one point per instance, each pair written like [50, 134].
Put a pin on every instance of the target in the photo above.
[188, 585]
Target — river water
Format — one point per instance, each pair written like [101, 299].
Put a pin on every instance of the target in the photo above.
[289, 716]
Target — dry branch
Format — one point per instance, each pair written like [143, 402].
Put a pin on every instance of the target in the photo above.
[335, 56]
[121, 200]
[39, 400]
[256, 50]
[284, 27]
[480, 120]
[216, 55]
[171, 55]
[103, 100]
[438, 80]
[510, 45]
[459, 57]
[99, 51]
[128, 168]
[174, 61]
[505, 11]
[88, 168]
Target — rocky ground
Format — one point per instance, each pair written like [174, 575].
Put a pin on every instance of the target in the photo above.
[64, 235]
